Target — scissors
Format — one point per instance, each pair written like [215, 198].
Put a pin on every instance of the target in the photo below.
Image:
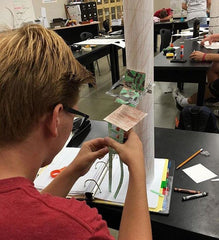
[55, 172]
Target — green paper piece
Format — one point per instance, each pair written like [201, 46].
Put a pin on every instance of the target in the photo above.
[110, 169]
[135, 80]
[118, 135]
[120, 181]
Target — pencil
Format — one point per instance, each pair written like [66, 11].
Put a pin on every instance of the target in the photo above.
[188, 159]
[182, 190]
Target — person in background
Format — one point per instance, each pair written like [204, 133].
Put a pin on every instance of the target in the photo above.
[39, 86]
[212, 88]
[196, 9]
[164, 14]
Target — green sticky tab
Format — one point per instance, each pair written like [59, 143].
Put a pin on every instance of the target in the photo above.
[163, 184]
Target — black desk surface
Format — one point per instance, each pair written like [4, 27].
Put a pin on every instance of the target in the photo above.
[161, 62]
[194, 219]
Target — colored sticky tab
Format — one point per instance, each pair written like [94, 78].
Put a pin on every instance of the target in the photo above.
[163, 184]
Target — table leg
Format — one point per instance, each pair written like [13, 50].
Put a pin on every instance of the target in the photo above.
[91, 68]
[124, 57]
[114, 61]
[155, 41]
[201, 91]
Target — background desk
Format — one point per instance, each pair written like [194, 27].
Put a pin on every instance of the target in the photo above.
[87, 58]
[191, 72]
[174, 26]
[191, 220]
[71, 34]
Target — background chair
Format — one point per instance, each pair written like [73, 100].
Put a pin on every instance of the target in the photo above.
[106, 25]
[165, 35]
[86, 35]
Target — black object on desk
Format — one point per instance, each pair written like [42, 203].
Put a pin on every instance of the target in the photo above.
[192, 220]
[81, 128]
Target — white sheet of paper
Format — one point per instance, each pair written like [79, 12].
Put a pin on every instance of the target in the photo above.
[199, 173]
[100, 41]
[183, 34]
[120, 43]
[214, 45]
[155, 184]
[65, 157]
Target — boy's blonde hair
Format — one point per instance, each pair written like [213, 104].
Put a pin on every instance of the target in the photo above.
[37, 71]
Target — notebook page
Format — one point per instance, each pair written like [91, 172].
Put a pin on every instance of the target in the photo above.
[63, 159]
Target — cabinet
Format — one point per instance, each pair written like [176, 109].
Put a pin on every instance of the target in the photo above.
[108, 9]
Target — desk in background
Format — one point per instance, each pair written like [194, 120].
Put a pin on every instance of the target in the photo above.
[175, 26]
[190, 72]
[196, 219]
[71, 34]
[87, 58]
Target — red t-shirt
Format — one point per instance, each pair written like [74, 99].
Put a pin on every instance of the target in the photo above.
[27, 214]
[157, 13]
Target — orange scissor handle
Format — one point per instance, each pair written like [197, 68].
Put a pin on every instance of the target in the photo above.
[56, 172]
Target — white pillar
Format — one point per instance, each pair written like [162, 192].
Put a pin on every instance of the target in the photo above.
[214, 17]
[138, 24]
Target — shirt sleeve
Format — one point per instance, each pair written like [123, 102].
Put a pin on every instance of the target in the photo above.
[157, 14]
[169, 11]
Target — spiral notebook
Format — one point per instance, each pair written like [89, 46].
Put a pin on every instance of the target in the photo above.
[94, 184]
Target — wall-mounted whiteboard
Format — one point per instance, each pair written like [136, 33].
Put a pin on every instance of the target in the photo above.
[13, 13]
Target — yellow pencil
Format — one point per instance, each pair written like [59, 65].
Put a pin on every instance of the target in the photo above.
[188, 159]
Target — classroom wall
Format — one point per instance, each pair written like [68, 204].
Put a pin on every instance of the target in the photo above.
[158, 4]
[53, 10]
[56, 9]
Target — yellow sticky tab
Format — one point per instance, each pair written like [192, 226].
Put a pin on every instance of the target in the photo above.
[170, 55]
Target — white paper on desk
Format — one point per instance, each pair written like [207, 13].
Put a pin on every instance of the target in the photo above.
[213, 45]
[120, 43]
[99, 41]
[199, 173]
[155, 184]
[63, 159]
[183, 34]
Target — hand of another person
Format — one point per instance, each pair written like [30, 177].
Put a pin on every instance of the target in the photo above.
[89, 152]
[197, 56]
[130, 152]
[209, 38]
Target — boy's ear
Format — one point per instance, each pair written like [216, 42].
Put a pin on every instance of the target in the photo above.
[54, 121]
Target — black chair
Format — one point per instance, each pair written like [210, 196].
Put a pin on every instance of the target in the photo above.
[165, 35]
[106, 25]
[86, 35]
[196, 26]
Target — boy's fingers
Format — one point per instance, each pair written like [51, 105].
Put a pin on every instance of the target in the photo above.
[112, 143]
